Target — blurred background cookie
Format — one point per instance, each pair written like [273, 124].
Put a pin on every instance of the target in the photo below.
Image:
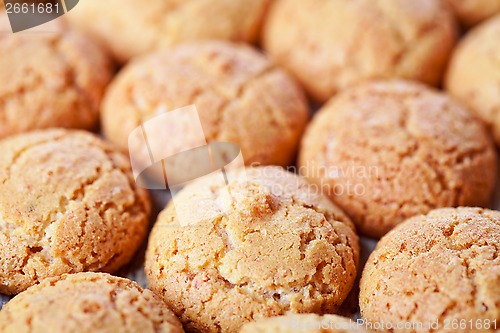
[386, 151]
[240, 97]
[68, 204]
[303, 323]
[472, 12]
[474, 73]
[279, 247]
[333, 44]
[439, 268]
[130, 28]
[50, 80]
[87, 302]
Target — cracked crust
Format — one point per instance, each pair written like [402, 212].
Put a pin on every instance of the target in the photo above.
[303, 323]
[240, 97]
[281, 248]
[386, 151]
[347, 42]
[162, 24]
[50, 80]
[87, 302]
[441, 266]
[472, 12]
[474, 73]
[69, 204]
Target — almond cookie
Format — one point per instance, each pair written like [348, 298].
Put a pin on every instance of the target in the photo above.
[68, 204]
[50, 80]
[386, 151]
[130, 28]
[303, 323]
[441, 270]
[474, 73]
[472, 12]
[87, 302]
[333, 44]
[240, 97]
[281, 248]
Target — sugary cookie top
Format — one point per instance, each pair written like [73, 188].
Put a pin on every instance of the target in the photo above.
[241, 97]
[87, 302]
[267, 244]
[50, 79]
[68, 203]
[417, 150]
[335, 44]
[440, 266]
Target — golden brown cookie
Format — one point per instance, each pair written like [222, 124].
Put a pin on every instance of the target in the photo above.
[130, 28]
[386, 151]
[474, 73]
[441, 270]
[303, 323]
[87, 302]
[333, 44]
[240, 96]
[280, 248]
[472, 12]
[68, 204]
[50, 80]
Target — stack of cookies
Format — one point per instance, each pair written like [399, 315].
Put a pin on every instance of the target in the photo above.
[367, 123]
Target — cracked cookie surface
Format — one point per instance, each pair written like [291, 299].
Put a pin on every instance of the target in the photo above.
[240, 97]
[443, 266]
[386, 151]
[158, 24]
[303, 323]
[473, 75]
[69, 204]
[347, 42]
[50, 80]
[87, 302]
[280, 248]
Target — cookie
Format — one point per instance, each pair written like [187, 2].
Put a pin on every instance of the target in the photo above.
[334, 44]
[441, 270]
[87, 302]
[473, 76]
[280, 248]
[303, 323]
[68, 203]
[472, 12]
[50, 80]
[388, 150]
[240, 97]
[131, 28]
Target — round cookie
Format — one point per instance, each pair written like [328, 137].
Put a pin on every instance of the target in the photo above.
[131, 28]
[385, 151]
[472, 12]
[280, 248]
[50, 80]
[68, 204]
[303, 323]
[441, 269]
[334, 44]
[87, 302]
[474, 73]
[240, 97]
